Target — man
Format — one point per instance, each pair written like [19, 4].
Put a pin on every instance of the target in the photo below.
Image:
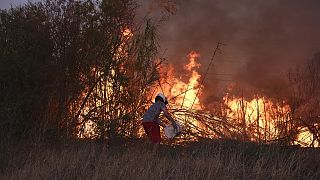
[151, 122]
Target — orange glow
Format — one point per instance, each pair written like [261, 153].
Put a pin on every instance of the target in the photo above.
[183, 94]
[89, 128]
[305, 138]
[127, 33]
[258, 118]
[176, 87]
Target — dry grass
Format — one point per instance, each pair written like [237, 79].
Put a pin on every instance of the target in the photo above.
[134, 160]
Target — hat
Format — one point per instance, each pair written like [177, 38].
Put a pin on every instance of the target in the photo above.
[163, 97]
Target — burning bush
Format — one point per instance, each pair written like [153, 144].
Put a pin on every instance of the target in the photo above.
[66, 63]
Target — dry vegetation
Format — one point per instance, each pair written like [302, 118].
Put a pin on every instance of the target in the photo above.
[206, 160]
[69, 63]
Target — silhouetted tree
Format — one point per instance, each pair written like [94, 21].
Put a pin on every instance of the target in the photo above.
[64, 63]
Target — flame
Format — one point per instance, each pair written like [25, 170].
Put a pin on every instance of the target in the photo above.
[259, 117]
[127, 33]
[89, 128]
[305, 138]
[184, 94]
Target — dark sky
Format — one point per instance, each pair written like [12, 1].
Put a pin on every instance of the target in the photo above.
[264, 38]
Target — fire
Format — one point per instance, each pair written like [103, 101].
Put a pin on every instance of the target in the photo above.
[258, 118]
[262, 120]
[184, 94]
[305, 138]
[127, 33]
[89, 128]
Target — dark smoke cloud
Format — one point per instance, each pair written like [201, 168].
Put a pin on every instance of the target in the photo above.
[264, 38]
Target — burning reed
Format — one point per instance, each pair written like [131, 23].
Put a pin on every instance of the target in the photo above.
[259, 118]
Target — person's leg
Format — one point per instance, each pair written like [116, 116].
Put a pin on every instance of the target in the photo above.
[155, 137]
[152, 129]
[147, 130]
[155, 133]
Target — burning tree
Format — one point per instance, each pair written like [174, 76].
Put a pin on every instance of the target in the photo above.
[66, 64]
[114, 105]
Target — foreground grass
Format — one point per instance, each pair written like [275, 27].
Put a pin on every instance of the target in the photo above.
[135, 160]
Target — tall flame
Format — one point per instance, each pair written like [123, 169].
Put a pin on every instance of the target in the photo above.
[259, 119]
[184, 94]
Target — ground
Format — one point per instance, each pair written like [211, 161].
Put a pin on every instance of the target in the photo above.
[214, 159]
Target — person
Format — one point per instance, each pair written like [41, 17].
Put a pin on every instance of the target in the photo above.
[151, 122]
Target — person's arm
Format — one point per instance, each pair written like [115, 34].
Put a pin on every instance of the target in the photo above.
[169, 117]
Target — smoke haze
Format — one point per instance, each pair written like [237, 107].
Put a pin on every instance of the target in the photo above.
[263, 38]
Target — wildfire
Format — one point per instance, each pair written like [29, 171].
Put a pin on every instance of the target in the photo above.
[89, 128]
[259, 118]
[305, 138]
[184, 94]
[127, 32]
[263, 120]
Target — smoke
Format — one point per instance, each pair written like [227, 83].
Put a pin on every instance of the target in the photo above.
[264, 39]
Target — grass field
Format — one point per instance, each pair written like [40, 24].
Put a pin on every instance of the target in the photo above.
[219, 159]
